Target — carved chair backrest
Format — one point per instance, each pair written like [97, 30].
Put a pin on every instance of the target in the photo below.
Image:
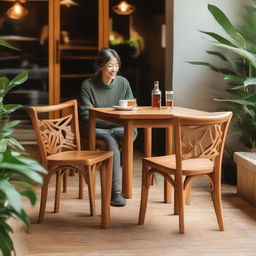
[201, 136]
[57, 134]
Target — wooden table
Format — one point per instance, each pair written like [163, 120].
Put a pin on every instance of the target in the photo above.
[143, 117]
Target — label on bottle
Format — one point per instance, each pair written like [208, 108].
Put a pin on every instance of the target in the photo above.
[156, 101]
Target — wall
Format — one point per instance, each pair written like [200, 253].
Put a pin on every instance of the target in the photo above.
[195, 86]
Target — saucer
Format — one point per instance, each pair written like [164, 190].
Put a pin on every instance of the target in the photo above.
[125, 108]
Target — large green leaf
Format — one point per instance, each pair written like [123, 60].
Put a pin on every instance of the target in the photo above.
[4, 225]
[218, 54]
[33, 164]
[20, 167]
[247, 55]
[232, 64]
[4, 81]
[5, 132]
[201, 63]
[9, 108]
[22, 170]
[6, 244]
[249, 111]
[19, 79]
[7, 45]
[250, 81]
[11, 124]
[12, 195]
[238, 93]
[22, 216]
[14, 144]
[220, 70]
[218, 38]
[27, 190]
[237, 101]
[3, 144]
[224, 22]
[236, 79]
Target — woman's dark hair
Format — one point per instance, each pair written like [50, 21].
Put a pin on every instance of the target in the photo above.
[103, 57]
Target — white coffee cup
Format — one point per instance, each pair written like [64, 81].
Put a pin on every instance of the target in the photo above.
[123, 103]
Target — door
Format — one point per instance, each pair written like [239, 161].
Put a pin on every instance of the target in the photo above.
[76, 33]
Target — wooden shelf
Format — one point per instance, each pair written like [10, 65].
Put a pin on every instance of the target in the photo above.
[69, 57]
[76, 75]
[77, 47]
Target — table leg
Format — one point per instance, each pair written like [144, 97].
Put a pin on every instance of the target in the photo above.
[168, 149]
[127, 160]
[148, 146]
[147, 142]
[92, 129]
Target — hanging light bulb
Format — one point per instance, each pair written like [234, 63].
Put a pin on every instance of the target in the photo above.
[17, 11]
[123, 8]
[68, 3]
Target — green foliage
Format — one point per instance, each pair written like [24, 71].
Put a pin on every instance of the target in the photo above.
[16, 170]
[239, 70]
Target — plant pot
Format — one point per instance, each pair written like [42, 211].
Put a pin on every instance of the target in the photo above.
[246, 175]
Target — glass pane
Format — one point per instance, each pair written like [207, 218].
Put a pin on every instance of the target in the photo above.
[78, 46]
[29, 33]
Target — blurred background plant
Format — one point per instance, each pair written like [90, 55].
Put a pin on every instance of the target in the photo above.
[239, 69]
[17, 171]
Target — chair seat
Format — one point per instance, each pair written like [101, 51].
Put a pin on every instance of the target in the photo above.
[78, 157]
[195, 166]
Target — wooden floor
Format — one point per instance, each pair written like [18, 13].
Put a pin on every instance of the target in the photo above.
[73, 232]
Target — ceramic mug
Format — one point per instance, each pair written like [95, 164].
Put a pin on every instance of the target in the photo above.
[123, 103]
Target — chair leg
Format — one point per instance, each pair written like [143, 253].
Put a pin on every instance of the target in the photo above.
[106, 186]
[80, 192]
[216, 195]
[90, 190]
[180, 195]
[188, 193]
[167, 192]
[94, 180]
[44, 193]
[64, 187]
[57, 192]
[144, 194]
[176, 198]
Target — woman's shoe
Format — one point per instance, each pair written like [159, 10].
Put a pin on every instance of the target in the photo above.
[117, 199]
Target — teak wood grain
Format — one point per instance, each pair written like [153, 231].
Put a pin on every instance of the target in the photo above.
[143, 117]
[59, 146]
[199, 143]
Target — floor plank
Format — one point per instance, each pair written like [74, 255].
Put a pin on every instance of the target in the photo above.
[74, 232]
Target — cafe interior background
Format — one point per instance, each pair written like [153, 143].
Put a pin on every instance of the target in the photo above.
[155, 39]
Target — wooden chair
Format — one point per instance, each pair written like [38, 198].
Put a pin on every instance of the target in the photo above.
[199, 143]
[59, 145]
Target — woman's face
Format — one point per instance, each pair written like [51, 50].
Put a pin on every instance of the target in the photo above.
[109, 71]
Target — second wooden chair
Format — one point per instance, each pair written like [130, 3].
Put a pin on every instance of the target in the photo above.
[199, 143]
[58, 139]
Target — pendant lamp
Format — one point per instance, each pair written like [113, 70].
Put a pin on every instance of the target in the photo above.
[68, 3]
[17, 11]
[123, 8]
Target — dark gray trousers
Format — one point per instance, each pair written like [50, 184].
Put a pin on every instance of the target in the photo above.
[113, 137]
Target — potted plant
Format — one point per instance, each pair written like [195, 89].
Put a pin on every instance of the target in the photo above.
[239, 70]
[17, 171]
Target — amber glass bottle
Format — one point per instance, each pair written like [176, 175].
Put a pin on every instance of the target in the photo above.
[156, 96]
